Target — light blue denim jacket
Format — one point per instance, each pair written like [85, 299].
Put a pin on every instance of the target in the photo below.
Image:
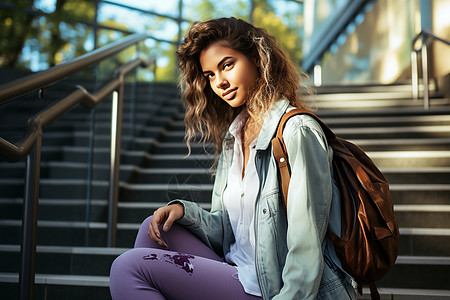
[293, 259]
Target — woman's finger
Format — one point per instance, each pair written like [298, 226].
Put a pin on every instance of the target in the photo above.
[175, 213]
[153, 230]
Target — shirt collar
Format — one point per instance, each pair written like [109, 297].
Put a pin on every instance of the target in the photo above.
[237, 124]
[268, 129]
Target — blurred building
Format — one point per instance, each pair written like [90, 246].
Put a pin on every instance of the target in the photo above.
[371, 41]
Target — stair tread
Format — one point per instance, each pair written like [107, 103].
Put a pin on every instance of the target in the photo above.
[60, 279]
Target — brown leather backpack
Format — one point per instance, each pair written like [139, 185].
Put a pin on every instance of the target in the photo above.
[368, 246]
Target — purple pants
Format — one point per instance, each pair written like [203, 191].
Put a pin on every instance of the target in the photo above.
[189, 270]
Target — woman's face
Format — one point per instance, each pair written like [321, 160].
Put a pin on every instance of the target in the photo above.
[231, 73]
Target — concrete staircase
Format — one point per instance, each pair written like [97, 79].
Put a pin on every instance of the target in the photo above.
[410, 145]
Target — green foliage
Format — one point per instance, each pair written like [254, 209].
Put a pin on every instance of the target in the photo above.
[168, 73]
[288, 38]
[14, 28]
[40, 40]
[287, 35]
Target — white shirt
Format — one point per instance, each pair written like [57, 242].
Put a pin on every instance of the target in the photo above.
[239, 199]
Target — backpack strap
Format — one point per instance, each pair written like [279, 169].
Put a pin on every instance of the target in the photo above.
[280, 151]
[374, 291]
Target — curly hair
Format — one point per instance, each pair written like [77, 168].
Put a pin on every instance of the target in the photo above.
[206, 113]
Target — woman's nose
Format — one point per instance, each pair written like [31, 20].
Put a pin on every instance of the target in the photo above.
[221, 82]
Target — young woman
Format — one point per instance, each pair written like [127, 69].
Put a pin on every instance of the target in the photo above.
[238, 83]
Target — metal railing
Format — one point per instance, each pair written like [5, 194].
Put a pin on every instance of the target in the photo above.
[30, 148]
[425, 36]
[330, 35]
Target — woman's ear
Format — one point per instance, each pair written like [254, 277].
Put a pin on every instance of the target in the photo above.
[255, 58]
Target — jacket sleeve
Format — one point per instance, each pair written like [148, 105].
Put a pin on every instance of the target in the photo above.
[207, 225]
[308, 203]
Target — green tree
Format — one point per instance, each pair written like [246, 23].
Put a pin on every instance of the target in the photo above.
[77, 10]
[286, 28]
[288, 35]
[15, 26]
[169, 72]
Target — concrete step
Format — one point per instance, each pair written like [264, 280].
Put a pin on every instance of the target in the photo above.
[392, 159]
[423, 216]
[128, 173]
[63, 260]
[96, 261]
[436, 175]
[136, 174]
[104, 127]
[387, 121]
[69, 233]
[382, 112]
[59, 189]
[430, 194]
[172, 175]
[381, 132]
[81, 139]
[18, 114]
[57, 286]
[153, 146]
[410, 144]
[413, 241]
[335, 122]
[54, 188]
[407, 294]
[200, 193]
[105, 115]
[424, 241]
[96, 288]
[408, 215]
[410, 159]
[101, 155]
[190, 188]
[407, 269]
[376, 101]
[78, 210]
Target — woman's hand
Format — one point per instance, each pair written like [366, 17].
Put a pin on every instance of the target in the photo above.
[168, 215]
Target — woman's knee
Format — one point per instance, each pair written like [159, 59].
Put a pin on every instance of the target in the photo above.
[124, 263]
[146, 223]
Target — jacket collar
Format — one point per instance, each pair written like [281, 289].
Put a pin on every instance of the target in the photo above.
[269, 126]
[271, 123]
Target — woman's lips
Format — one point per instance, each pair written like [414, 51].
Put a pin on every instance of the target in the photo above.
[229, 94]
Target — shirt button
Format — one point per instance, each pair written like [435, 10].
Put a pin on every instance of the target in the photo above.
[264, 211]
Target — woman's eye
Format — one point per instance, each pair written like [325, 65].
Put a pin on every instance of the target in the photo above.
[210, 76]
[227, 65]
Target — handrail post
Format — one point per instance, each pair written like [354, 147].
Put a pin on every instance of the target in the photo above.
[414, 76]
[424, 35]
[426, 97]
[116, 127]
[317, 74]
[29, 222]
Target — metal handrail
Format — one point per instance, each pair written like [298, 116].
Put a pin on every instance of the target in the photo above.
[425, 36]
[330, 35]
[31, 146]
[23, 86]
